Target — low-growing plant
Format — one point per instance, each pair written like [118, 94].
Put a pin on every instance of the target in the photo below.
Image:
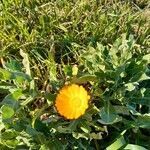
[74, 74]
[117, 79]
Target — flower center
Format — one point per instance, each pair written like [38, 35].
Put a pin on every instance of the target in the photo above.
[76, 102]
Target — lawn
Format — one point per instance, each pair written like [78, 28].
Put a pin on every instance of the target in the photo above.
[74, 74]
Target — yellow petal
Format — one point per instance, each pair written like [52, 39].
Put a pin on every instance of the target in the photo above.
[72, 101]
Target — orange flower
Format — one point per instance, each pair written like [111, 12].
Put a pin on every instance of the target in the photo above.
[72, 101]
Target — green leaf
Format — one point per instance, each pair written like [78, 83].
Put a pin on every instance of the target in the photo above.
[97, 136]
[8, 135]
[7, 112]
[122, 110]
[80, 135]
[11, 100]
[117, 144]
[143, 77]
[14, 65]
[135, 71]
[120, 52]
[142, 100]
[84, 79]
[28, 100]
[2, 125]
[38, 113]
[84, 126]
[134, 147]
[147, 58]
[130, 86]
[67, 70]
[68, 129]
[37, 136]
[50, 62]
[143, 121]
[140, 97]
[94, 59]
[5, 75]
[25, 62]
[50, 97]
[53, 144]
[61, 129]
[44, 147]
[108, 114]
[18, 76]
[24, 138]
[11, 143]
[6, 85]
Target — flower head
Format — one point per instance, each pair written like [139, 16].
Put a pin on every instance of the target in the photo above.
[72, 101]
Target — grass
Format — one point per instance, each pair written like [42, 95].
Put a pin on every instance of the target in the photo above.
[45, 39]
